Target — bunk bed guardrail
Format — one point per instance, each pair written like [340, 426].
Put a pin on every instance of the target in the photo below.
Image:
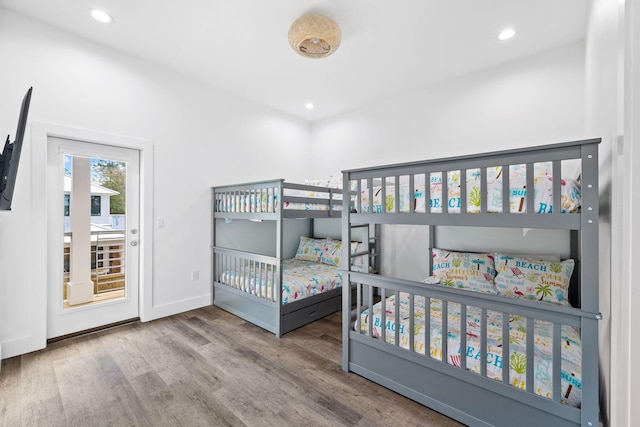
[270, 196]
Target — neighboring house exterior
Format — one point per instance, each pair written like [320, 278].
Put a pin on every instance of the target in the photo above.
[100, 206]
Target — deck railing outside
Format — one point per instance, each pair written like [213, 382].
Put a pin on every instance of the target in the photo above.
[107, 260]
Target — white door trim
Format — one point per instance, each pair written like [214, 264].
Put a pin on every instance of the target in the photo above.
[40, 132]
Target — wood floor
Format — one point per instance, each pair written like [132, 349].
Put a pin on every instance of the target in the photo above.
[201, 368]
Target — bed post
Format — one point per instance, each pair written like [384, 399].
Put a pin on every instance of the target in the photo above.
[346, 283]
[589, 250]
[279, 208]
[213, 243]
[432, 244]
[589, 226]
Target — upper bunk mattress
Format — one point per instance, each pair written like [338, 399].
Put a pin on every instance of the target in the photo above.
[266, 201]
[543, 192]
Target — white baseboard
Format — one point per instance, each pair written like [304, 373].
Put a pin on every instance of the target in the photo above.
[19, 346]
[170, 309]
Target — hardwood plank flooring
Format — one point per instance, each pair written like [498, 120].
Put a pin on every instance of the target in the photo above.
[205, 367]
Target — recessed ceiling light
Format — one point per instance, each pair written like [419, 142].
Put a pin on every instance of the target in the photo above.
[309, 105]
[506, 34]
[101, 16]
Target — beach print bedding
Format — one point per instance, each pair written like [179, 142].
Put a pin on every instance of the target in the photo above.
[495, 359]
[300, 279]
[543, 192]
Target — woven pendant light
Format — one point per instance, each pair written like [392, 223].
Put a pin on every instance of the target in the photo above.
[314, 36]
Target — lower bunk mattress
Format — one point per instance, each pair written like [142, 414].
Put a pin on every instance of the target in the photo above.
[300, 279]
[495, 359]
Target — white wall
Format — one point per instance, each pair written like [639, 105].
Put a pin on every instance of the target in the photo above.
[631, 244]
[535, 101]
[202, 137]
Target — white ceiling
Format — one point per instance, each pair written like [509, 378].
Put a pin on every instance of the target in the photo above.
[388, 46]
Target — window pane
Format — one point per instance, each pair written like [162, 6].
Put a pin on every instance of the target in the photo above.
[95, 205]
[67, 199]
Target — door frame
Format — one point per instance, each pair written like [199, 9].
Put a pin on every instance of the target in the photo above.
[40, 133]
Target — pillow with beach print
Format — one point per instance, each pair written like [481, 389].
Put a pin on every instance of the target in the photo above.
[310, 249]
[464, 270]
[534, 279]
[332, 253]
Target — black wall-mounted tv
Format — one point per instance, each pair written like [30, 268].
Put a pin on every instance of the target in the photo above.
[10, 156]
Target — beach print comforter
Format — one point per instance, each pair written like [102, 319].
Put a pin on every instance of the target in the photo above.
[300, 279]
[495, 359]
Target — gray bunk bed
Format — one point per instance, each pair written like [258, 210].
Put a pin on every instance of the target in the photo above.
[249, 263]
[505, 374]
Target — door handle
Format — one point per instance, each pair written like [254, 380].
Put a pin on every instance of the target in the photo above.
[134, 243]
